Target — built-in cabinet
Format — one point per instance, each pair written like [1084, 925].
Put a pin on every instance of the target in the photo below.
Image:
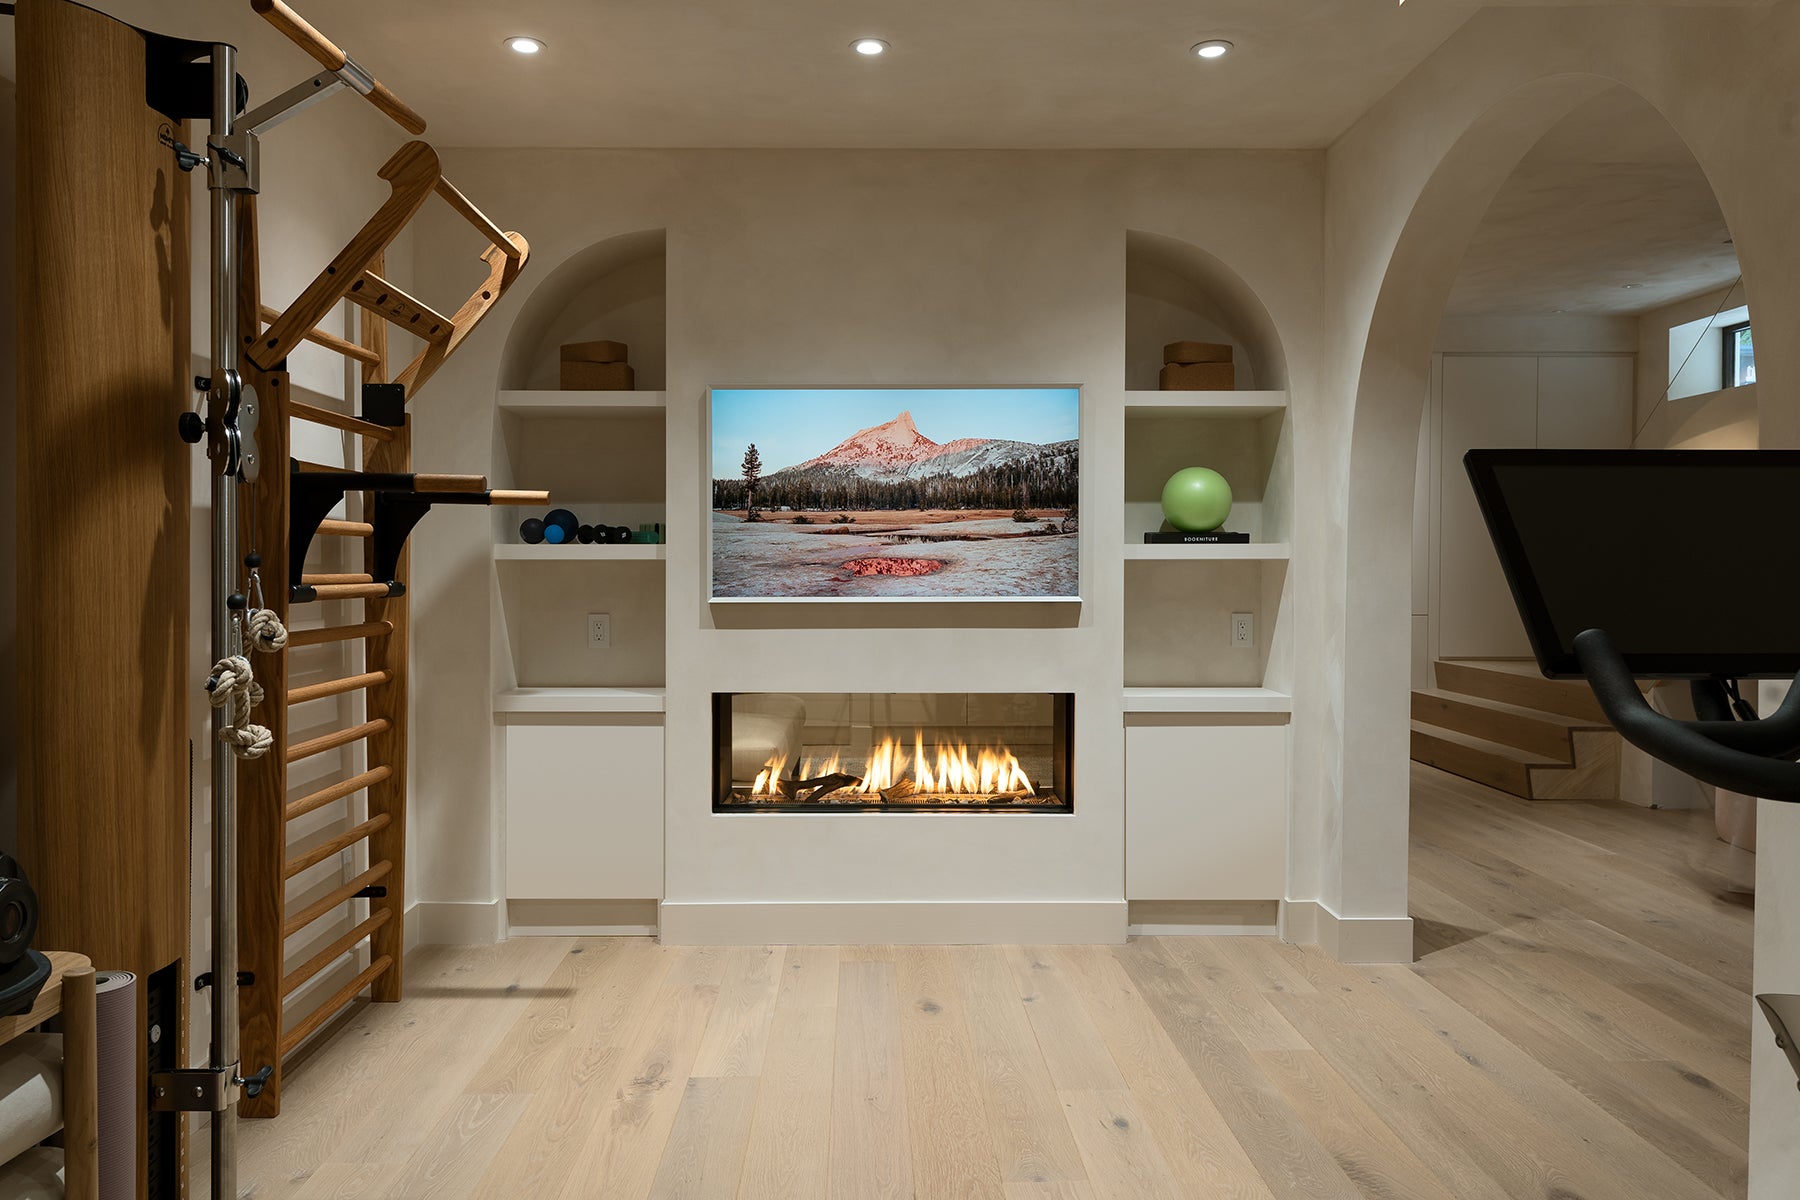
[1206, 807]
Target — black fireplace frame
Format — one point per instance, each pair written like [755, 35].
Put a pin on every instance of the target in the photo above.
[1062, 771]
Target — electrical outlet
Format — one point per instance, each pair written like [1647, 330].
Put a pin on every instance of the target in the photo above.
[1243, 629]
[599, 631]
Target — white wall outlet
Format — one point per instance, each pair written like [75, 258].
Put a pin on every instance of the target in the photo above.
[1243, 630]
[599, 631]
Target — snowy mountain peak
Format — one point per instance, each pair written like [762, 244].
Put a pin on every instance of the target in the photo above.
[880, 449]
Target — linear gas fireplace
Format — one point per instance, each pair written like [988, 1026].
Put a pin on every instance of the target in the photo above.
[893, 752]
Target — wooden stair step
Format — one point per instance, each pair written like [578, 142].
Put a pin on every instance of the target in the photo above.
[1498, 766]
[1476, 677]
[1513, 725]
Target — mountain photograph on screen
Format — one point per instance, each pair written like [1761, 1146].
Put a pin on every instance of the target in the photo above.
[895, 493]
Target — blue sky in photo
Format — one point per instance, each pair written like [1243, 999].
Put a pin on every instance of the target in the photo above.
[791, 425]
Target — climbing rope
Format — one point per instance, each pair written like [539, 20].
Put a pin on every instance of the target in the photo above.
[233, 682]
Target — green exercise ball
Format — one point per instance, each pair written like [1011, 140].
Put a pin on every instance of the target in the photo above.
[1196, 500]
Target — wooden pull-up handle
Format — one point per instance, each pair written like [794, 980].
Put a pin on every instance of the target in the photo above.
[301, 32]
[450, 483]
[518, 497]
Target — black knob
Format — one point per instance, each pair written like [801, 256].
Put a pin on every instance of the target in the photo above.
[253, 560]
[253, 1085]
[191, 428]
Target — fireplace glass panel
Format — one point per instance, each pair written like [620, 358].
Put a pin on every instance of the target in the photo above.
[892, 752]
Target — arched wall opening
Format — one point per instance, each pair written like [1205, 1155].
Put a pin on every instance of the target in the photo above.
[1175, 291]
[1369, 874]
[614, 290]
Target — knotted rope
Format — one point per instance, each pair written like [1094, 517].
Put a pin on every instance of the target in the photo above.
[234, 683]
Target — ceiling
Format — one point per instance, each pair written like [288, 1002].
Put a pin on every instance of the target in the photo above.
[1610, 197]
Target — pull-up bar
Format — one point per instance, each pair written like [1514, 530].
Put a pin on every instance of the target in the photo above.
[301, 32]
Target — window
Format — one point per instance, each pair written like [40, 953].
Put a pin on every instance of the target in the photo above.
[1738, 365]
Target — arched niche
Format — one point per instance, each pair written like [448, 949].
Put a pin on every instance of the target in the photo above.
[1175, 291]
[614, 290]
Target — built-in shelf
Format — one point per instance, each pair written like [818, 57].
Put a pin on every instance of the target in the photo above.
[610, 552]
[551, 701]
[546, 403]
[1224, 551]
[1207, 700]
[1205, 404]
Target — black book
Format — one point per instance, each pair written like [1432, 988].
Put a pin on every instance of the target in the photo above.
[1215, 538]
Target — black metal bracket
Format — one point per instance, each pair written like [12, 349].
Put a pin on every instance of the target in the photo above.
[204, 979]
[375, 891]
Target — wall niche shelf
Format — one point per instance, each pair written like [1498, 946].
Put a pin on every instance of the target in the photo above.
[1222, 552]
[1206, 700]
[596, 405]
[530, 702]
[1204, 404]
[620, 552]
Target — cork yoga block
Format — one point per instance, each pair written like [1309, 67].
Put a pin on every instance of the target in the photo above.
[597, 377]
[1196, 352]
[597, 352]
[1198, 377]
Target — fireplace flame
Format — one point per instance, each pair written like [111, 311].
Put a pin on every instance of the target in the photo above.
[945, 770]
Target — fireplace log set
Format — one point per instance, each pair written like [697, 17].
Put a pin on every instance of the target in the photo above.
[904, 794]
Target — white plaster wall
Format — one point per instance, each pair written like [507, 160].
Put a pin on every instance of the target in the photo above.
[846, 268]
[1405, 187]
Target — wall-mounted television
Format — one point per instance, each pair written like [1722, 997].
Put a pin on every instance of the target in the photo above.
[895, 493]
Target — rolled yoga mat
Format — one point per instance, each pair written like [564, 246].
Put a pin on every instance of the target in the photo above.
[115, 1021]
[31, 1092]
[36, 1174]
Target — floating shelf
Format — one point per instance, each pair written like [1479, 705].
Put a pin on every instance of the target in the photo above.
[1221, 552]
[553, 701]
[1207, 700]
[611, 552]
[1204, 404]
[546, 403]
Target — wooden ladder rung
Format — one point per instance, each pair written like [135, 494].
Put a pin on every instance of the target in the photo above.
[313, 801]
[338, 420]
[337, 687]
[292, 982]
[453, 196]
[331, 527]
[327, 634]
[318, 1016]
[341, 842]
[319, 337]
[347, 591]
[312, 578]
[336, 738]
[394, 305]
[325, 904]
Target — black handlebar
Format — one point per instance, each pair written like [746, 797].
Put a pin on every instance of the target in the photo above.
[1749, 757]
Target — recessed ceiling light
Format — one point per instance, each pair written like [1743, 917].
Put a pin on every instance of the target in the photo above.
[1628, 286]
[524, 45]
[869, 47]
[1216, 48]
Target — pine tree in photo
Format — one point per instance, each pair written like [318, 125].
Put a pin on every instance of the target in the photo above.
[752, 473]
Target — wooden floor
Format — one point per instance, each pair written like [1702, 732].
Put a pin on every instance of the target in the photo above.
[1576, 1026]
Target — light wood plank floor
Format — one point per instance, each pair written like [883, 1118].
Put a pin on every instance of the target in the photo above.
[1577, 1025]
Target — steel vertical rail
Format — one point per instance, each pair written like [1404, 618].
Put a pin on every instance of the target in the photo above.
[224, 1049]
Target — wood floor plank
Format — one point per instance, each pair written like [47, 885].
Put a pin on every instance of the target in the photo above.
[739, 1030]
[704, 1156]
[1289, 1157]
[1203, 1155]
[1049, 1191]
[788, 1155]
[1370, 1153]
[870, 1155]
[1071, 1046]
[527, 1055]
[1122, 1157]
[346, 1181]
[1032, 1141]
[1229, 992]
[947, 1126]
[450, 1160]
[623, 1148]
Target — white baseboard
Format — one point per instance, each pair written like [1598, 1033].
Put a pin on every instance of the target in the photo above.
[581, 918]
[1203, 918]
[456, 923]
[950, 922]
[1347, 939]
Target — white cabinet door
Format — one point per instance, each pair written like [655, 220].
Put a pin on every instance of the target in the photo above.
[1206, 812]
[584, 811]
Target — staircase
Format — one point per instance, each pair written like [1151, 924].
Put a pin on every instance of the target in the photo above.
[1501, 723]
